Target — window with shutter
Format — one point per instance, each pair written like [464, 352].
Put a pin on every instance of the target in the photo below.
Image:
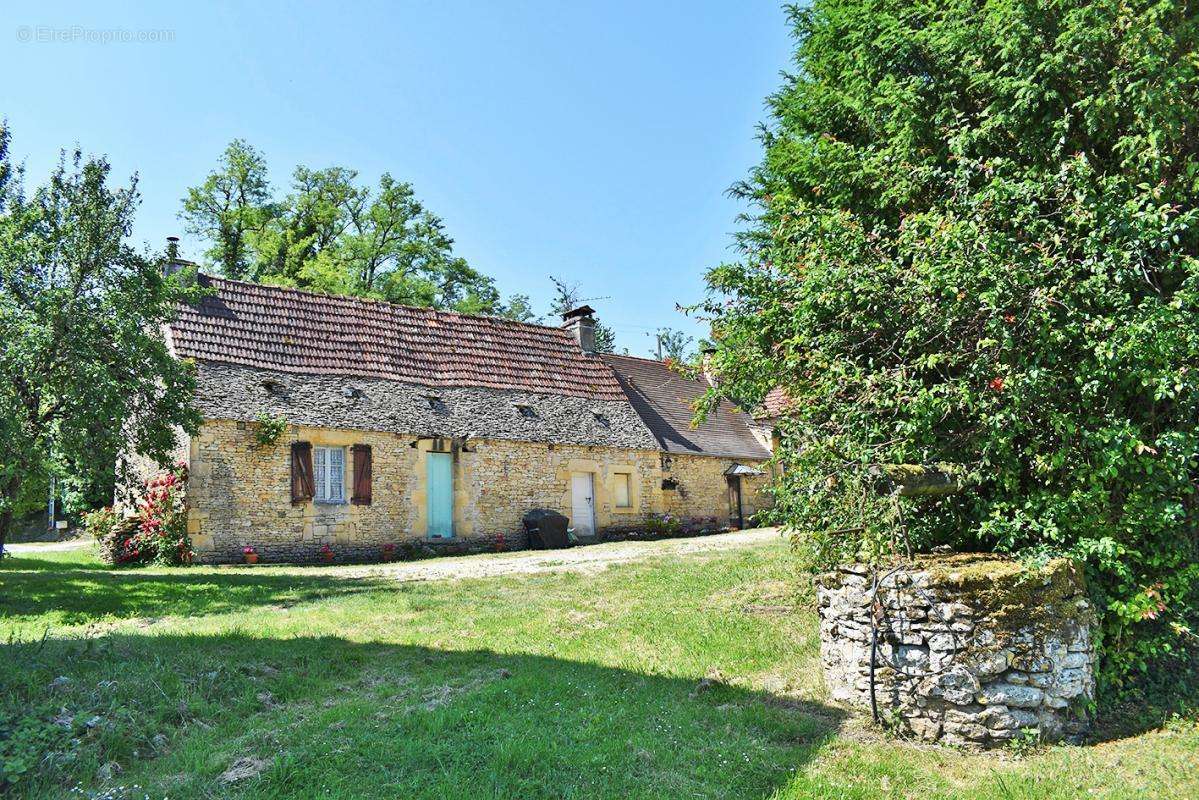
[330, 471]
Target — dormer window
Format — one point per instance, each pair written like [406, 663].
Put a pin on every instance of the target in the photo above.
[352, 393]
[272, 387]
[526, 411]
[436, 404]
[602, 420]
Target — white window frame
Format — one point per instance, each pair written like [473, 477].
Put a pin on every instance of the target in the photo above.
[627, 478]
[329, 473]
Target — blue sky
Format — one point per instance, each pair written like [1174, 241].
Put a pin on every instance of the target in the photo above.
[591, 141]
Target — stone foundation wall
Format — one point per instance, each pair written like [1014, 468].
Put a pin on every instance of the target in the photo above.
[239, 493]
[969, 649]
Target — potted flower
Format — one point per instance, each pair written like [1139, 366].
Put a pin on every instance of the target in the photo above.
[327, 552]
[249, 554]
[389, 552]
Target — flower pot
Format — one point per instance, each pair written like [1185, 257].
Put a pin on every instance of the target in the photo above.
[251, 558]
[327, 556]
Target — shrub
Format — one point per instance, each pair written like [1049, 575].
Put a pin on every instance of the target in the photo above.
[663, 524]
[162, 533]
[971, 249]
[100, 523]
[269, 429]
[157, 533]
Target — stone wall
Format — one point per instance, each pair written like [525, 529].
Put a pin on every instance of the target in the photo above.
[700, 488]
[134, 469]
[239, 492]
[970, 649]
[501, 480]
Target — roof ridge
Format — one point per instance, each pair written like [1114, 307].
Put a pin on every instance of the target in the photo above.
[375, 300]
[638, 358]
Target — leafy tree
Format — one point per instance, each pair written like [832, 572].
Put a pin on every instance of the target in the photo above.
[974, 242]
[520, 308]
[567, 296]
[229, 207]
[84, 371]
[298, 243]
[331, 234]
[674, 345]
[605, 338]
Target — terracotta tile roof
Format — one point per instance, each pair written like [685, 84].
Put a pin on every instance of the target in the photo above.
[663, 398]
[777, 402]
[301, 332]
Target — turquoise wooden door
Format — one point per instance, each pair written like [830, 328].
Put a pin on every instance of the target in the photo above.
[441, 495]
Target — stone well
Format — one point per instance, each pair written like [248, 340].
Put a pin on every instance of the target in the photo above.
[968, 649]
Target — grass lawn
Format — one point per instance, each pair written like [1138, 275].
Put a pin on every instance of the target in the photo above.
[297, 683]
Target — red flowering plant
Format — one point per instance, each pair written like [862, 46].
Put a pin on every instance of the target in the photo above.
[160, 535]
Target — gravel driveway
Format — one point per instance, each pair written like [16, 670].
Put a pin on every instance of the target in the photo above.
[590, 558]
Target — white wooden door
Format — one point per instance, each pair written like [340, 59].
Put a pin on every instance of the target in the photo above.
[582, 500]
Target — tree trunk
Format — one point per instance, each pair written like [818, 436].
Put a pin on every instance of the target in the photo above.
[5, 524]
[9, 494]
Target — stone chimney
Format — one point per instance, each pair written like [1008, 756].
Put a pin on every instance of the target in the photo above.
[581, 323]
[706, 363]
[173, 263]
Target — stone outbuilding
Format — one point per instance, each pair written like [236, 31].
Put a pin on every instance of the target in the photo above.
[399, 426]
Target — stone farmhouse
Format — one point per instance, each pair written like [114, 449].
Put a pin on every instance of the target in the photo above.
[410, 426]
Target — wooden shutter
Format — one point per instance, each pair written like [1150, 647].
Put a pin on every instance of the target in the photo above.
[302, 485]
[362, 474]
